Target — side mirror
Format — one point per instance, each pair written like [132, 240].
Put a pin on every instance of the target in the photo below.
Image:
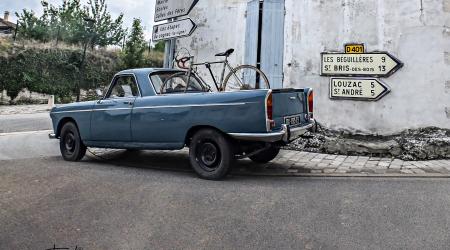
[99, 93]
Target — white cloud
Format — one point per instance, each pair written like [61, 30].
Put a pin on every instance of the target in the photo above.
[143, 9]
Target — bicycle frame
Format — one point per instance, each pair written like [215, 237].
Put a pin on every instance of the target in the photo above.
[219, 85]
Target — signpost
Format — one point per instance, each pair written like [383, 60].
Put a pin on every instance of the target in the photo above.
[173, 30]
[166, 9]
[346, 68]
[375, 64]
[369, 89]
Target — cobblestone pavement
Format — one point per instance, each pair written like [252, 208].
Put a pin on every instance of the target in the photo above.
[292, 163]
[302, 162]
[23, 109]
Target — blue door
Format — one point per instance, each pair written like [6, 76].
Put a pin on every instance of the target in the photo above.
[111, 117]
[271, 48]
[252, 39]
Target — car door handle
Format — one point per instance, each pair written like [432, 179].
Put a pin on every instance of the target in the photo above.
[129, 103]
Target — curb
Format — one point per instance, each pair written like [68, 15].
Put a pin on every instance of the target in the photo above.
[26, 132]
[404, 176]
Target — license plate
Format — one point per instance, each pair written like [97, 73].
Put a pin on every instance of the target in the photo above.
[292, 121]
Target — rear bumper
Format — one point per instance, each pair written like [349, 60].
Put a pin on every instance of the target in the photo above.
[286, 134]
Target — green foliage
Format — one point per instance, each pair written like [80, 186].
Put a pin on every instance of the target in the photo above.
[133, 54]
[69, 23]
[160, 46]
[106, 31]
[53, 71]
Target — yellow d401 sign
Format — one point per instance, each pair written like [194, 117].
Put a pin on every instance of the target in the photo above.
[357, 89]
[354, 48]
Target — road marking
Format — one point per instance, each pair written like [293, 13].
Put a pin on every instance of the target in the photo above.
[26, 132]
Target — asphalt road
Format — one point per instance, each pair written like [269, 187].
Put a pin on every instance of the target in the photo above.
[25, 122]
[151, 200]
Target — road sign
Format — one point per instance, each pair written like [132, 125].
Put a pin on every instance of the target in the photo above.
[375, 64]
[172, 30]
[166, 9]
[354, 48]
[358, 89]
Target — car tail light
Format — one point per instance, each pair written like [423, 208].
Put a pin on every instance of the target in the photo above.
[269, 107]
[311, 103]
[270, 123]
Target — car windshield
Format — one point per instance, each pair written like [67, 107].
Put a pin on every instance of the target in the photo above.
[176, 82]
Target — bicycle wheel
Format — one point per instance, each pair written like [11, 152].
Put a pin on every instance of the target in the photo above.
[167, 86]
[178, 82]
[246, 77]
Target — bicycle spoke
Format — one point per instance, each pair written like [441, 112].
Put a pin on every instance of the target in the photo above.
[246, 77]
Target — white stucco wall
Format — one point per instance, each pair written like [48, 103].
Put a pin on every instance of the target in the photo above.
[220, 26]
[417, 32]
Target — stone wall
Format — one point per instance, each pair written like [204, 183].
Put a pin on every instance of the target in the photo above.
[4, 98]
[24, 96]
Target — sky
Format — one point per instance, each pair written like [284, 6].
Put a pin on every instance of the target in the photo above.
[143, 9]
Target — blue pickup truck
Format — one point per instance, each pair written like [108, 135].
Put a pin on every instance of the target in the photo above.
[139, 112]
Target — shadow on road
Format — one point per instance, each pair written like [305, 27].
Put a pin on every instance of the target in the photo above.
[178, 161]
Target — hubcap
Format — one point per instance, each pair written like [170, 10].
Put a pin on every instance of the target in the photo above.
[70, 142]
[208, 156]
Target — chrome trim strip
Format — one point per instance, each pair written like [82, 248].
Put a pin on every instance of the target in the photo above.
[112, 109]
[156, 107]
[90, 110]
[197, 105]
[71, 111]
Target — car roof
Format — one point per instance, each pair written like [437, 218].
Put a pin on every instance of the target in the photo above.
[146, 70]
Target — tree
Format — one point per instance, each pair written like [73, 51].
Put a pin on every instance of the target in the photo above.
[133, 55]
[66, 23]
[106, 31]
[32, 27]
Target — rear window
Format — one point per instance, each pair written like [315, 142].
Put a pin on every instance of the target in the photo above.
[159, 78]
[175, 82]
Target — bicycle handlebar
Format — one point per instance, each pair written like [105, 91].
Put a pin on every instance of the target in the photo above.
[181, 63]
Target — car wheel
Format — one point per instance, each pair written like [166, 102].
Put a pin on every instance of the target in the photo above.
[266, 155]
[211, 154]
[70, 144]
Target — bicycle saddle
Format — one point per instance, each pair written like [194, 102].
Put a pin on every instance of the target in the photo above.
[226, 53]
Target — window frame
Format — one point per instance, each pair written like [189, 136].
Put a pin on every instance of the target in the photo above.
[113, 84]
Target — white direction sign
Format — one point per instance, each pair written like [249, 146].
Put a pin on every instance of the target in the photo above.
[376, 64]
[166, 9]
[358, 89]
[172, 30]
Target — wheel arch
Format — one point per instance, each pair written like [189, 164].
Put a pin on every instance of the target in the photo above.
[62, 122]
[191, 132]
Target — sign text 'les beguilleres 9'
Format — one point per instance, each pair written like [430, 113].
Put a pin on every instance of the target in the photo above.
[375, 64]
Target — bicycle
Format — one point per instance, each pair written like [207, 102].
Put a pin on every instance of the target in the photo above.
[243, 77]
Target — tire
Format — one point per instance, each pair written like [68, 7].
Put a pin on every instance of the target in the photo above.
[70, 144]
[229, 85]
[211, 154]
[266, 155]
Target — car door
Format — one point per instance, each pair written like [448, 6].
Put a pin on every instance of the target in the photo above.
[111, 116]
